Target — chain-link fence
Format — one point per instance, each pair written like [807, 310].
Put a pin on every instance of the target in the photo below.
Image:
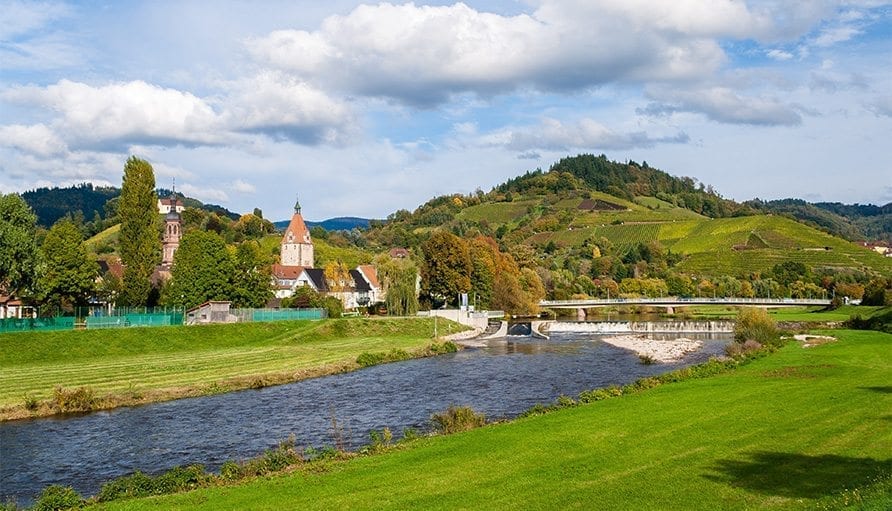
[122, 317]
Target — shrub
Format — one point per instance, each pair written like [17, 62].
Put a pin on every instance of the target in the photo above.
[457, 418]
[410, 434]
[31, 402]
[55, 497]
[647, 359]
[366, 359]
[180, 479]
[754, 324]
[590, 396]
[230, 471]
[80, 399]
[441, 348]
[379, 441]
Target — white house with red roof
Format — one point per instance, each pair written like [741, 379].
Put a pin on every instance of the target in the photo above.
[296, 268]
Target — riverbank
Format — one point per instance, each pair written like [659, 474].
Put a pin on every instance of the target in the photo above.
[658, 350]
[40, 373]
[799, 429]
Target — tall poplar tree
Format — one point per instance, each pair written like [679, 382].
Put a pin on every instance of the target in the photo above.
[139, 243]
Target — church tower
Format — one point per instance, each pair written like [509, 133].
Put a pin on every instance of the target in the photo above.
[170, 240]
[297, 247]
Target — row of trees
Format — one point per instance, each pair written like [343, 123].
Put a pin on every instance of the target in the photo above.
[453, 266]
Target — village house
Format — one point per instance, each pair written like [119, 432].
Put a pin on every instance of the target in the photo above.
[296, 268]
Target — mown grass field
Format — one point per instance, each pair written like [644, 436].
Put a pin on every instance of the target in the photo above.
[800, 429]
[798, 314]
[140, 360]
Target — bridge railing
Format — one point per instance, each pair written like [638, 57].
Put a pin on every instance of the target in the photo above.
[682, 300]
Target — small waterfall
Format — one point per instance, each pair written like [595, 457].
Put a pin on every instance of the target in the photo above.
[643, 327]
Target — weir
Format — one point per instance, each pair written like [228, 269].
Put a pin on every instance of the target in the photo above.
[641, 327]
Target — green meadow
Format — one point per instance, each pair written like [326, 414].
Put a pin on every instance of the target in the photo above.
[803, 428]
[140, 364]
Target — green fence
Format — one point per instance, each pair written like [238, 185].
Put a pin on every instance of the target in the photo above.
[262, 315]
[36, 324]
[123, 317]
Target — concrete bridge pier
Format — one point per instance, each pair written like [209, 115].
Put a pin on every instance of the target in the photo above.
[580, 314]
[670, 310]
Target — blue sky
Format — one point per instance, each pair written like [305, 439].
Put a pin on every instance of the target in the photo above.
[362, 109]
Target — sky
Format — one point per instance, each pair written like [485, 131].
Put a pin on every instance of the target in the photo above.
[361, 109]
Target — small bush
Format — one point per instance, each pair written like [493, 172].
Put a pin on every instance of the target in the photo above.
[754, 324]
[410, 434]
[647, 359]
[366, 359]
[180, 479]
[80, 399]
[379, 441]
[230, 471]
[442, 348]
[457, 418]
[31, 402]
[590, 396]
[55, 497]
[134, 485]
[9, 505]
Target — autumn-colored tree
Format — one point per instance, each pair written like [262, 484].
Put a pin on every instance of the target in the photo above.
[446, 272]
[337, 277]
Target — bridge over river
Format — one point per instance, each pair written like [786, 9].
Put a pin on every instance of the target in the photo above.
[674, 301]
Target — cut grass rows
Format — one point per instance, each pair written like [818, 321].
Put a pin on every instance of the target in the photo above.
[141, 359]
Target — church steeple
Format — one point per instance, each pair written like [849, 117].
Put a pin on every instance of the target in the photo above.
[297, 206]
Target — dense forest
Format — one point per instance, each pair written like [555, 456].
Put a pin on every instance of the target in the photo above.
[84, 200]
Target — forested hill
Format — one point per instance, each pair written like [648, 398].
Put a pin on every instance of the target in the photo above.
[630, 180]
[51, 204]
[89, 202]
[852, 222]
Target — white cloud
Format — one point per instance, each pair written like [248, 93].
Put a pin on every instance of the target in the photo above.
[242, 187]
[118, 113]
[287, 108]
[23, 17]
[780, 55]
[834, 35]
[37, 139]
[423, 55]
[584, 134]
[722, 104]
[204, 193]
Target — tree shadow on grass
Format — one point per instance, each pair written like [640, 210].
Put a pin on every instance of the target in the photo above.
[881, 390]
[797, 475]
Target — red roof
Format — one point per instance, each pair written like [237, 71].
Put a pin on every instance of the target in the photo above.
[287, 272]
[370, 274]
[297, 231]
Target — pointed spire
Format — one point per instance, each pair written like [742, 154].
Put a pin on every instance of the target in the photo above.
[297, 206]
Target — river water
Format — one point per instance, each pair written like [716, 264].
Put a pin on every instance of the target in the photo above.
[502, 380]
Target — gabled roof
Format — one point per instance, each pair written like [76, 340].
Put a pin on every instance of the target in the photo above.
[359, 283]
[317, 277]
[370, 273]
[283, 272]
[297, 231]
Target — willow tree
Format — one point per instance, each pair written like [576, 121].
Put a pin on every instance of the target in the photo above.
[139, 245]
[399, 278]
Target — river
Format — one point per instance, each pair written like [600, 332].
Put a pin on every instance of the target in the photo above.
[502, 379]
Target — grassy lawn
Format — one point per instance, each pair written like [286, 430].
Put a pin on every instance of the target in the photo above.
[802, 314]
[137, 361]
[789, 431]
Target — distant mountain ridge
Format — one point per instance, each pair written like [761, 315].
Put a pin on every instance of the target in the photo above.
[341, 223]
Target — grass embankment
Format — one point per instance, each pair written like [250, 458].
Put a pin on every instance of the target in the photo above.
[139, 365]
[786, 314]
[800, 429]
